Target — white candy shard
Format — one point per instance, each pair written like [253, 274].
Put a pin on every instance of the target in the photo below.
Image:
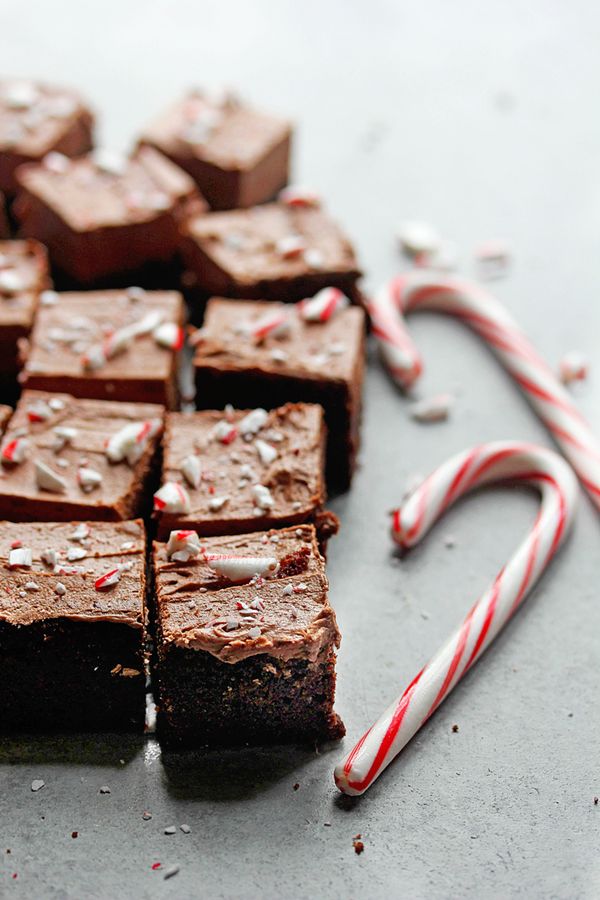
[253, 422]
[147, 323]
[272, 323]
[262, 496]
[14, 450]
[48, 298]
[573, 367]
[39, 411]
[20, 557]
[64, 435]
[75, 553]
[323, 305]
[108, 579]
[131, 441]
[60, 589]
[93, 358]
[172, 498]
[290, 246]
[50, 557]
[110, 162]
[418, 238]
[183, 545]
[81, 532]
[432, 409]
[266, 452]
[191, 469]
[88, 479]
[217, 503]
[169, 335]
[298, 196]
[224, 431]
[48, 480]
[239, 569]
[11, 282]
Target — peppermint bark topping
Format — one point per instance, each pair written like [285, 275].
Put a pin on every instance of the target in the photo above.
[240, 569]
[172, 498]
[183, 545]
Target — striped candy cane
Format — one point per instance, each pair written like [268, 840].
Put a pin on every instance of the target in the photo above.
[498, 461]
[478, 308]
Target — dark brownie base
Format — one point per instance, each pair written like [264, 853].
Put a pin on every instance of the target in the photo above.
[248, 390]
[62, 675]
[260, 700]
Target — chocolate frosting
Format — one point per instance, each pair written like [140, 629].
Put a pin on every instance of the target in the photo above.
[29, 595]
[295, 433]
[64, 331]
[196, 607]
[94, 422]
[327, 351]
[27, 262]
[237, 138]
[243, 243]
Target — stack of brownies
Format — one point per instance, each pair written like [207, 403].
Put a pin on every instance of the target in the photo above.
[126, 523]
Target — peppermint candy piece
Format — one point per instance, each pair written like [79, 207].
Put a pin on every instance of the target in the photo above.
[239, 569]
[266, 452]
[252, 422]
[11, 282]
[573, 367]
[172, 498]
[88, 479]
[432, 409]
[50, 557]
[93, 358]
[272, 323]
[131, 441]
[108, 580]
[224, 432]
[109, 162]
[262, 497]
[39, 411]
[57, 163]
[217, 503]
[323, 305]
[14, 451]
[418, 238]
[117, 342]
[299, 197]
[64, 435]
[191, 469]
[20, 94]
[183, 545]
[80, 533]
[147, 323]
[75, 553]
[169, 335]
[20, 557]
[291, 246]
[47, 479]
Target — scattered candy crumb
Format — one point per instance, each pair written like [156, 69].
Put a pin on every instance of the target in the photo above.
[573, 367]
[358, 844]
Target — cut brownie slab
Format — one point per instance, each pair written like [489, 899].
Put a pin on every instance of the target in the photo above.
[245, 640]
[264, 354]
[114, 345]
[23, 276]
[62, 458]
[245, 470]
[104, 217]
[237, 155]
[72, 626]
[271, 252]
[36, 119]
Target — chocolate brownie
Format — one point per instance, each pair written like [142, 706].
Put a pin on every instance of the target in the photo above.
[5, 414]
[237, 155]
[246, 470]
[23, 276]
[272, 252]
[4, 226]
[114, 345]
[106, 218]
[241, 358]
[245, 640]
[72, 626]
[63, 458]
[36, 119]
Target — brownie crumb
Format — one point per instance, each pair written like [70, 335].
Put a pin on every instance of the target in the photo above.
[358, 844]
[74, 834]
[105, 789]
[595, 804]
[297, 785]
[455, 728]
[294, 563]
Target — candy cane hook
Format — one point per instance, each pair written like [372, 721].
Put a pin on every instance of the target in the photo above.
[423, 290]
[499, 461]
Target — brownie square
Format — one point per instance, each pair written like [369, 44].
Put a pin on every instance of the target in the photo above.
[272, 252]
[63, 458]
[72, 640]
[237, 155]
[301, 361]
[23, 276]
[36, 119]
[247, 470]
[106, 218]
[114, 345]
[245, 658]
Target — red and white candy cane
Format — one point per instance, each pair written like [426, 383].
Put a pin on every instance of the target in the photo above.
[526, 463]
[480, 310]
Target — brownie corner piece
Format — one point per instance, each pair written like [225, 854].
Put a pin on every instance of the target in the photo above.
[245, 640]
[237, 155]
[63, 458]
[72, 619]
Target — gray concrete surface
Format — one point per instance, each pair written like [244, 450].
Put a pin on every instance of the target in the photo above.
[483, 119]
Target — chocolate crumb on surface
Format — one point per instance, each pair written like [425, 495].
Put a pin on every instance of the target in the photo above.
[455, 728]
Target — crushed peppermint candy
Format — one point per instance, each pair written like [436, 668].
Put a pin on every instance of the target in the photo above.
[299, 197]
[75, 553]
[31, 586]
[224, 432]
[239, 569]
[252, 422]
[48, 480]
[93, 359]
[169, 335]
[37, 784]
[11, 282]
[254, 632]
[262, 497]
[130, 442]
[88, 479]
[432, 409]
[109, 161]
[183, 545]
[64, 435]
[314, 258]
[291, 246]
[81, 532]
[493, 258]
[288, 589]
[278, 355]
[38, 411]
[20, 557]
[14, 450]
[573, 367]
[172, 498]
[108, 580]
[50, 557]
[60, 589]
[217, 503]
[272, 323]
[191, 469]
[48, 298]
[55, 162]
[323, 305]
[418, 238]
[266, 452]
